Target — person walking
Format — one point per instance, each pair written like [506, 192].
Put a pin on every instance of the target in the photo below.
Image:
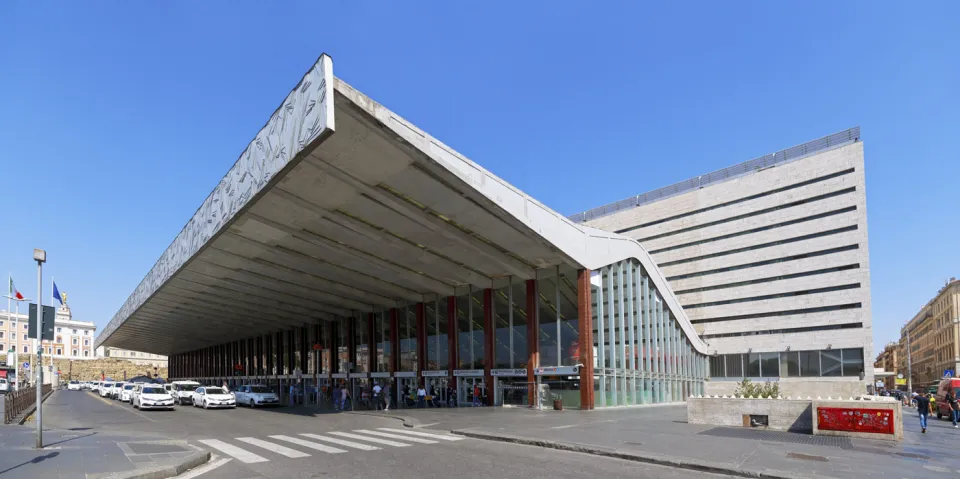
[344, 398]
[377, 396]
[387, 396]
[954, 408]
[336, 397]
[421, 397]
[476, 395]
[923, 410]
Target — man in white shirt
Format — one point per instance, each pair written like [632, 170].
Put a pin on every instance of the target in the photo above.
[421, 397]
[377, 398]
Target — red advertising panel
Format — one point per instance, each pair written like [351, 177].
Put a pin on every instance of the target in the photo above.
[878, 421]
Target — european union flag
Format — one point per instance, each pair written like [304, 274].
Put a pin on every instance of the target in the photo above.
[56, 293]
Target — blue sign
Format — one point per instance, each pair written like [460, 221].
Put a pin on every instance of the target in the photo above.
[26, 365]
[948, 373]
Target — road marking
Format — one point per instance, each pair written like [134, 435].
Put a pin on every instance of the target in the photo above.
[422, 434]
[342, 442]
[370, 439]
[311, 445]
[242, 455]
[204, 468]
[125, 409]
[395, 436]
[282, 450]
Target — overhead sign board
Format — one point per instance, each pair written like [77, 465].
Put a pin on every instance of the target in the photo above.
[405, 374]
[49, 317]
[515, 372]
[435, 374]
[557, 371]
[468, 372]
[380, 375]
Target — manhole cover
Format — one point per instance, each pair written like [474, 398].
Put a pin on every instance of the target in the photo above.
[147, 448]
[806, 457]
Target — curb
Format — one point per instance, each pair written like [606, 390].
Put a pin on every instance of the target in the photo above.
[159, 472]
[406, 420]
[675, 462]
[33, 408]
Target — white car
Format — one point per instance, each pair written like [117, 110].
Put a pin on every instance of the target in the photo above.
[73, 386]
[213, 396]
[4, 386]
[126, 392]
[114, 391]
[105, 389]
[152, 396]
[254, 395]
[183, 391]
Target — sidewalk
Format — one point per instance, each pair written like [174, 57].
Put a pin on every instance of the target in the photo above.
[660, 434]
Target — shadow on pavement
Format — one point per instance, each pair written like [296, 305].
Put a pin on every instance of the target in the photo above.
[36, 460]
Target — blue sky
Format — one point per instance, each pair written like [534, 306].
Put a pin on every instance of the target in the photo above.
[124, 115]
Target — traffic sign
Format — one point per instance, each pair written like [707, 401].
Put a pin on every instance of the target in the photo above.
[26, 365]
[49, 317]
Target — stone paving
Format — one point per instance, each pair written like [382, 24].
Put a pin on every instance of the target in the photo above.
[661, 433]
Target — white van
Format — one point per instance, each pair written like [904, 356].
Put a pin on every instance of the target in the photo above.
[4, 386]
[183, 391]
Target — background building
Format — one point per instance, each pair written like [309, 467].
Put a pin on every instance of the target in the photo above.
[932, 337]
[72, 339]
[136, 357]
[889, 360]
[769, 259]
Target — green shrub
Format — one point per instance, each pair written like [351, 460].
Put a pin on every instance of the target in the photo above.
[749, 389]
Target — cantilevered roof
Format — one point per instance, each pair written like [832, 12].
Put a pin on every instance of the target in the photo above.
[339, 207]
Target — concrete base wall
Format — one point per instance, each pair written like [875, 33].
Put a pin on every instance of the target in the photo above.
[802, 388]
[783, 414]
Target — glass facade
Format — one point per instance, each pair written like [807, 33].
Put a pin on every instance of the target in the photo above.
[788, 364]
[640, 354]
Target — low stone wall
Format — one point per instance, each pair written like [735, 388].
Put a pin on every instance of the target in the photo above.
[782, 414]
[797, 387]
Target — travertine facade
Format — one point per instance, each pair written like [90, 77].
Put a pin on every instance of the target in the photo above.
[933, 333]
[889, 360]
[774, 260]
[136, 357]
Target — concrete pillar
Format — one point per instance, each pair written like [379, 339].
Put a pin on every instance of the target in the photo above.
[351, 325]
[488, 349]
[452, 334]
[421, 313]
[585, 340]
[394, 341]
[533, 345]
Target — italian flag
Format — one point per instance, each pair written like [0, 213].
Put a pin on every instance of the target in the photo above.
[13, 291]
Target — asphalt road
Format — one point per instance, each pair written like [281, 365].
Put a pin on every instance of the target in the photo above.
[275, 443]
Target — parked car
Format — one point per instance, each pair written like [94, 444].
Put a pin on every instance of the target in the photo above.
[942, 406]
[114, 391]
[213, 396]
[254, 395]
[183, 391]
[125, 392]
[73, 386]
[105, 389]
[4, 386]
[152, 396]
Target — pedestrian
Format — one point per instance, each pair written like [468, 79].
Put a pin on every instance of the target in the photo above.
[923, 409]
[421, 397]
[954, 407]
[344, 398]
[336, 397]
[225, 388]
[476, 395]
[293, 396]
[377, 396]
[387, 396]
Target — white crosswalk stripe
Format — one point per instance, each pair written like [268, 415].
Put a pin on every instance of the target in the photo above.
[342, 442]
[370, 439]
[241, 455]
[395, 436]
[443, 437]
[282, 450]
[310, 444]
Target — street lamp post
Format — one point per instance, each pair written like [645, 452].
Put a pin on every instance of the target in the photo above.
[40, 256]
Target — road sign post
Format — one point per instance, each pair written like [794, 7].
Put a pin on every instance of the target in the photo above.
[40, 256]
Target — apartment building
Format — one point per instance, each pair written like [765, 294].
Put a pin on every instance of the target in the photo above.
[72, 339]
[889, 360]
[932, 337]
[769, 259]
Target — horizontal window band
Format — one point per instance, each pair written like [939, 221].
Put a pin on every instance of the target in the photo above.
[772, 314]
[765, 262]
[795, 239]
[828, 289]
[769, 279]
[757, 230]
[747, 215]
[807, 329]
[751, 197]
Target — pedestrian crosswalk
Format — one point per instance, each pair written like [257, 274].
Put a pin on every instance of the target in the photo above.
[257, 450]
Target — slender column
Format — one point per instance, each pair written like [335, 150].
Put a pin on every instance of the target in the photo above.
[488, 348]
[394, 341]
[351, 324]
[533, 346]
[372, 342]
[585, 340]
[421, 313]
[452, 335]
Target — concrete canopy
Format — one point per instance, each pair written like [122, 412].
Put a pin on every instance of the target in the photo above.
[340, 207]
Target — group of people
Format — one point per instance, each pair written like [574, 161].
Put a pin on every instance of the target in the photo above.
[923, 408]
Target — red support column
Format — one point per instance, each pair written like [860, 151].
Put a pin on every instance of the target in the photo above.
[452, 334]
[394, 341]
[585, 340]
[488, 349]
[533, 345]
[421, 339]
[351, 340]
[371, 342]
